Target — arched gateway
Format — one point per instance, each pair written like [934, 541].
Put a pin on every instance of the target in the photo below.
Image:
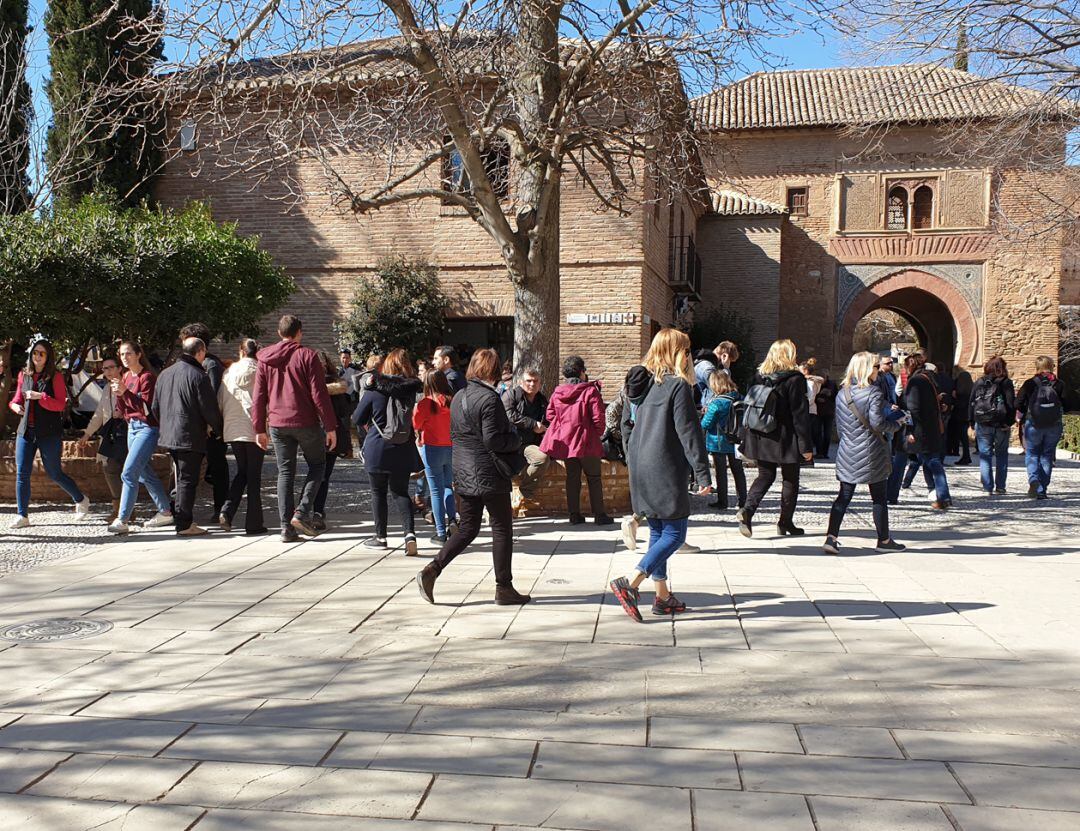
[940, 314]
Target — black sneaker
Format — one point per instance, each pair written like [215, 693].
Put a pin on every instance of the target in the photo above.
[288, 534]
[890, 545]
[831, 546]
[1041, 495]
[627, 597]
[1000, 491]
[438, 539]
[509, 596]
[790, 530]
[603, 519]
[744, 523]
[425, 581]
[577, 519]
[374, 542]
[304, 526]
[672, 605]
[318, 522]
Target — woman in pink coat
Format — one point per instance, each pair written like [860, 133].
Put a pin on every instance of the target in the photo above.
[575, 415]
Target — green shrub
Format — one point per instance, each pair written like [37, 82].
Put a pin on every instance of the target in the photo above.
[1071, 439]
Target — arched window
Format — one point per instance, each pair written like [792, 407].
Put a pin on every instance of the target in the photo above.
[922, 211]
[896, 215]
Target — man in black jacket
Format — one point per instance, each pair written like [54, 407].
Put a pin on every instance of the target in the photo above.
[217, 464]
[186, 408]
[526, 407]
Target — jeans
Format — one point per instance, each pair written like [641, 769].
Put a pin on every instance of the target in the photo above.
[537, 464]
[311, 441]
[721, 462]
[397, 484]
[666, 536]
[934, 470]
[789, 494]
[590, 465]
[249, 464]
[471, 509]
[187, 464]
[50, 447]
[913, 466]
[878, 495]
[142, 442]
[1040, 447]
[439, 476]
[993, 445]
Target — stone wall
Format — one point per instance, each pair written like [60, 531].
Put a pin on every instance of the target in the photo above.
[549, 498]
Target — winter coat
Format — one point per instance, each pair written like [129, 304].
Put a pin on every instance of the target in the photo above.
[290, 389]
[455, 379]
[380, 456]
[791, 440]
[705, 364]
[863, 457]
[715, 420]
[826, 399]
[664, 443]
[575, 415]
[185, 406]
[342, 402]
[478, 428]
[234, 400]
[1008, 394]
[215, 371]
[813, 387]
[928, 425]
[525, 414]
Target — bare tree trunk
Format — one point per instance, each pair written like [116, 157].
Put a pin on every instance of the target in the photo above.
[536, 304]
[6, 386]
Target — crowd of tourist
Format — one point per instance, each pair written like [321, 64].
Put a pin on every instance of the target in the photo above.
[474, 445]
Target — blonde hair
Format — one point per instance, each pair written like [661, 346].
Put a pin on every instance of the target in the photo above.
[859, 370]
[1044, 364]
[669, 354]
[720, 382]
[782, 355]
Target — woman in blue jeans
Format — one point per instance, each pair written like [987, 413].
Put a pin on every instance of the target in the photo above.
[992, 409]
[134, 395]
[431, 421]
[39, 402]
[664, 443]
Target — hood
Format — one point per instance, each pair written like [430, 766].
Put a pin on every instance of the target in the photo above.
[706, 355]
[780, 377]
[393, 385]
[279, 354]
[638, 381]
[573, 390]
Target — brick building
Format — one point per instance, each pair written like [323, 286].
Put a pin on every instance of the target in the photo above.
[808, 225]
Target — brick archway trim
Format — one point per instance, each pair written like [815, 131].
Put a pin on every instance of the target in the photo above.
[874, 296]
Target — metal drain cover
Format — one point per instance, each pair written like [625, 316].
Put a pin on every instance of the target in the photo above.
[55, 629]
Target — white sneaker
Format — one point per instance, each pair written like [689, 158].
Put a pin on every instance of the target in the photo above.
[159, 520]
[118, 527]
[82, 509]
[21, 522]
[687, 548]
[629, 526]
[411, 549]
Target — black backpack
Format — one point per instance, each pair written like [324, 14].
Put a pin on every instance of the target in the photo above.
[735, 428]
[1044, 406]
[988, 403]
[759, 407]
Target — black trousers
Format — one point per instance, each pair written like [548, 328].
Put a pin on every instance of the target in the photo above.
[471, 512]
[397, 486]
[217, 471]
[249, 464]
[789, 493]
[187, 464]
[324, 488]
[879, 492]
[823, 439]
[590, 466]
[721, 463]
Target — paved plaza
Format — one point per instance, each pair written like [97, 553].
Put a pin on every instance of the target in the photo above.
[250, 684]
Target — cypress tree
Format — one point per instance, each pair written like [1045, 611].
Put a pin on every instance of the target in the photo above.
[15, 108]
[960, 56]
[101, 54]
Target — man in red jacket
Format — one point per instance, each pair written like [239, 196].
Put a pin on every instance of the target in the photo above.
[290, 395]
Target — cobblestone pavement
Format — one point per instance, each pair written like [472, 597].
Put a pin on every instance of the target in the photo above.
[251, 684]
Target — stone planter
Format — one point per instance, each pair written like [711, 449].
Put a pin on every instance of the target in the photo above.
[549, 498]
[80, 464]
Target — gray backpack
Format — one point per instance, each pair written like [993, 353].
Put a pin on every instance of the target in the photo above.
[398, 429]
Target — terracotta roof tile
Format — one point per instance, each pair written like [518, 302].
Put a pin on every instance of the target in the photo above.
[734, 203]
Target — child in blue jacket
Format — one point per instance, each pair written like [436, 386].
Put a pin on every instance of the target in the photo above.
[714, 423]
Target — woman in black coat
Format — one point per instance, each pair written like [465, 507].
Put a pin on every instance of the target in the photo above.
[389, 465]
[486, 453]
[787, 446]
[341, 401]
[926, 433]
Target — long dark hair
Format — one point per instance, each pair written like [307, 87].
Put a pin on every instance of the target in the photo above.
[437, 387]
[144, 359]
[50, 360]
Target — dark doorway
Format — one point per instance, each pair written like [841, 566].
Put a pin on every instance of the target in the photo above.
[930, 321]
[467, 334]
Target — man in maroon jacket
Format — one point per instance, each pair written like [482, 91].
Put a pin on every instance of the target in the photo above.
[290, 395]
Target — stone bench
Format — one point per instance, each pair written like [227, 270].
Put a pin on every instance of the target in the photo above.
[549, 497]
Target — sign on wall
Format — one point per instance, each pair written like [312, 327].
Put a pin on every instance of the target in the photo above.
[626, 318]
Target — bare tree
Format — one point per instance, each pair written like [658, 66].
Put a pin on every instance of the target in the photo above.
[485, 106]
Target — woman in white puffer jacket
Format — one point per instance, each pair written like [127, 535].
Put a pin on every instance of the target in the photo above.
[234, 398]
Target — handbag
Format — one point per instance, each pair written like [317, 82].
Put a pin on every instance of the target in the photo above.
[850, 401]
[508, 464]
[113, 439]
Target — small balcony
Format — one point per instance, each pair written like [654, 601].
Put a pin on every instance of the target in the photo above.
[684, 267]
